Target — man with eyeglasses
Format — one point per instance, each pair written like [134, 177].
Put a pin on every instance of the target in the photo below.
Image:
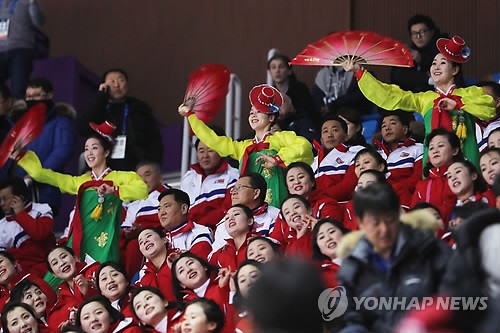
[250, 190]
[56, 144]
[423, 34]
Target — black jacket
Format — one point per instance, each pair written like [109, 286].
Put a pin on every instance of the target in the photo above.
[142, 130]
[417, 268]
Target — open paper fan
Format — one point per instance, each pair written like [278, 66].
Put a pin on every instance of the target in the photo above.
[207, 89]
[26, 129]
[360, 47]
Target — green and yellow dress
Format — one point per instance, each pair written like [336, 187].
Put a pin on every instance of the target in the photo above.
[285, 147]
[91, 235]
[471, 102]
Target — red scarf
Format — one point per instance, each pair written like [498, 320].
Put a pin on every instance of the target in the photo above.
[254, 147]
[442, 118]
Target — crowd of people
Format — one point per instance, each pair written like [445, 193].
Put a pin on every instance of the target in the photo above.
[261, 226]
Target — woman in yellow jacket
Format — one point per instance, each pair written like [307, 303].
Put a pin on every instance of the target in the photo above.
[267, 154]
[96, 224]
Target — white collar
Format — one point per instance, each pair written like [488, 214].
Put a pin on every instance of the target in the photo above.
[162, 325]
[102, 175]
[450, 88]
[200, 291]
[116, 304]
[124, 323]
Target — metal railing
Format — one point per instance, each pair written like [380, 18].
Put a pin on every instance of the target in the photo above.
[233, 123]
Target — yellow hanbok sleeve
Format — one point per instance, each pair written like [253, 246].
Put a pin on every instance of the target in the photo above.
[476, 102]
[223, 145]
[130, 185]
[392, 97]
[291, 147]
[66, 183]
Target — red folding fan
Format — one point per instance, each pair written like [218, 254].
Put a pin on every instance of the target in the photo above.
[26, 129]
[360, 47]
[207, 89]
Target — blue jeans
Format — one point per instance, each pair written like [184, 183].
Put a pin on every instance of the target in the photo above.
[17, 65]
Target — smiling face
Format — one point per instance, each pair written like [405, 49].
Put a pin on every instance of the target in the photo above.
[190, 273]
[149, 308]
[171, 213]
[366, 162]
[151, 244]
[63, 264]
[7, 271]
[490, 167]
[460, 181]
[298, 181]
[237, 222]
[441, 152]
[20, 320]
[35, 298]
[195, 320]
[259, 121]
[112, 283]
[261, 251]
[94, 154]
[393, 130]
[247, 275]
[293, 209]
[94, 318]
[209, 160]
[327, 239]
[442, 71]
[332, 134]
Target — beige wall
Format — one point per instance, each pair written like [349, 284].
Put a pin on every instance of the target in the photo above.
[161, 41]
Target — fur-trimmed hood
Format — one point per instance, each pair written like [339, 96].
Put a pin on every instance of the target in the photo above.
[419, 219]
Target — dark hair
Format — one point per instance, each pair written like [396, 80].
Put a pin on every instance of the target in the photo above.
[115, 70]
[181, 197]
[453, 140]
[136, 291]
[286, 60]
[64, 247]
[176, 284]
[105, 143]
[116, 266]
[18, 291]
[490, 150]
[217, 130]
[496, 130]
[351, 114]
[317, 254]
[212, 311]
[71, 328]
[155, 165]
[274, 246]
[377, 199]
[373, 153]
[470, 208]
[41, 82]
[496, 187]
[379, 175]
[495, 86]
[257, 182]
[304, 166]
[5, 91]
[9, 256]
[18, 187]
[246, 210]
[479, 183]
[9, 307]
[419, 18]
[424, 205]
[306, 203]
[283, 282]
[114, 314]
[405, 118]
[334, 117]
[238, 300]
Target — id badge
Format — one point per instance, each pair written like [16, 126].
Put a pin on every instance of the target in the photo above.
[119, 149]
[4, 28]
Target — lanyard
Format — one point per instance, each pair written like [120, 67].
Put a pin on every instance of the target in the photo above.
[12, 6]
[125, 115]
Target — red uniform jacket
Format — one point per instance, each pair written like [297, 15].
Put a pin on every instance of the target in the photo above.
[230, 257]
[159, 278]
